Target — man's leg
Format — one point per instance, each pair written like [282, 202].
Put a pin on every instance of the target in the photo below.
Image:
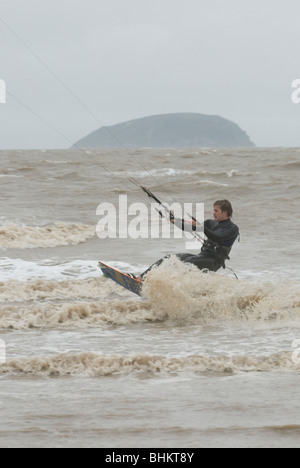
[159, 262]
[155, 265]
[203, 262]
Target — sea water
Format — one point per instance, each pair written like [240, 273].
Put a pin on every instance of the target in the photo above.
[202, 360]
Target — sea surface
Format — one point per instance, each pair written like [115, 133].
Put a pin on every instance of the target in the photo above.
[202, 360]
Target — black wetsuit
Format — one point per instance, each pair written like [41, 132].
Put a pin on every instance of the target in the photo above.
[215, 250]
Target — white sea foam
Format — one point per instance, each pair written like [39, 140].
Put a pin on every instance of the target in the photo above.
[52, 270]
[184, 294]
[28, 237]
[95, 365]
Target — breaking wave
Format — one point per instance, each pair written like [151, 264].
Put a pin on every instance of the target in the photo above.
[175, 292]
[44, 290]
[186, 295]
[95, 365]
[26, 237]
[75, 314]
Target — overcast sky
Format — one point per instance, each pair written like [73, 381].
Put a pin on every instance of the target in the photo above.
[126, 59]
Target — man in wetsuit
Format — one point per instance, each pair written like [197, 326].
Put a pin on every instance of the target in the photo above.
[221, 234]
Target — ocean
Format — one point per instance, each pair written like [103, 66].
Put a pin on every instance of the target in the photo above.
[201, 360]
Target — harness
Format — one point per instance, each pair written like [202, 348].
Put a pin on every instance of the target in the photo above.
[220, 252]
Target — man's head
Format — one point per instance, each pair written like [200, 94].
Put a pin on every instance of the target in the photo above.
[222, 210]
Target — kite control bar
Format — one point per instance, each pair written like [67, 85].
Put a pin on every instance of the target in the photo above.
[180, 223]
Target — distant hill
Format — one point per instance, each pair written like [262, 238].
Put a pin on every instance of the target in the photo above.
[182, 130]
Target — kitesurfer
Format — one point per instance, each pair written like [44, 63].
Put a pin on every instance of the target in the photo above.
[221, 234]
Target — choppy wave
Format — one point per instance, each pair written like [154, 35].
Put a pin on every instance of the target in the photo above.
[26, 237]
[171, 172]
[292, 164]
[174, 292]
[211, 182]
[95, 365]
[41, 290]
[75, 314]
[18, 270]
[116, 312]
[184, 294]
[164, 172]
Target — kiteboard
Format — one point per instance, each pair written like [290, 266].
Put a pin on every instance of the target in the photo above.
[129, 283]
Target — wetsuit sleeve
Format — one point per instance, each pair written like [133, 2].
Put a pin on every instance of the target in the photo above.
[187, 226]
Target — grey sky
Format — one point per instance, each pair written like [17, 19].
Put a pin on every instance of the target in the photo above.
[133, 58]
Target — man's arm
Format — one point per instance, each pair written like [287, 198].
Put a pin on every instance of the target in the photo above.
[222, 233]
[187, 226]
